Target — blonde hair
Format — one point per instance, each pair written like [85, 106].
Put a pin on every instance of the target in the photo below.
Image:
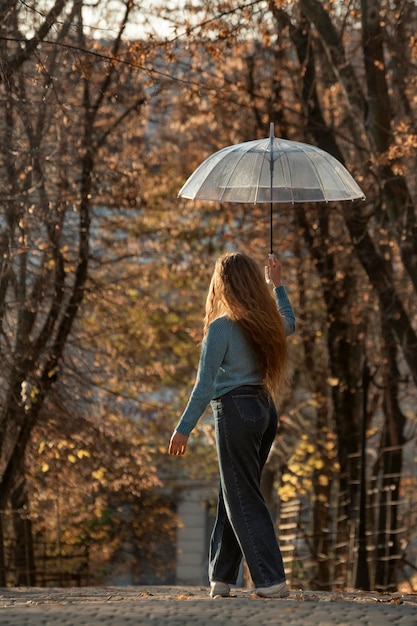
[238, 290]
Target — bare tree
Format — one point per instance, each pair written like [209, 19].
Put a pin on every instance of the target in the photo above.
[54, 125]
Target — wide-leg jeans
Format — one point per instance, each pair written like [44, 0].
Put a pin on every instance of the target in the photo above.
[246, 424]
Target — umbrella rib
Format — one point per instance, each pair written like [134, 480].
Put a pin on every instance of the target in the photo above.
[290, 187]
[306, 152]
[328, 160]
[317, 171]
[227, 182]
[240, 157]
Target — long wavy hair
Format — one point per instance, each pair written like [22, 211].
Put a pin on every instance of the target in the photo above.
[238, 289]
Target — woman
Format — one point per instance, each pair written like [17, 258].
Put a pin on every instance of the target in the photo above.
[242, 366]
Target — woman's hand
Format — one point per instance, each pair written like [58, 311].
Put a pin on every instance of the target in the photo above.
[274, 270]
[178, 444]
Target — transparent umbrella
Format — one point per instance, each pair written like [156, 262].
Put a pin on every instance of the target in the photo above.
[271, 170]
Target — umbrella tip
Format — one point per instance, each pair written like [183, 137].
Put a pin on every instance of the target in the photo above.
[271, 129]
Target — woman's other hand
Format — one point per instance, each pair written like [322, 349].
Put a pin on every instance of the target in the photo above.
[178, 444]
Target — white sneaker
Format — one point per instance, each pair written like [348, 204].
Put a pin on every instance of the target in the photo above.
[219, 589]
[274, 591]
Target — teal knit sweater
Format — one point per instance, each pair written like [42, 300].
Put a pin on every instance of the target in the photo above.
[226, 362]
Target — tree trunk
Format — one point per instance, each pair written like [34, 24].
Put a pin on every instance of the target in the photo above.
[25, 567]
[3, 580]
[396, 195]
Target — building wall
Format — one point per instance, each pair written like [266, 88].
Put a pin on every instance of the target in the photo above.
[196, 522]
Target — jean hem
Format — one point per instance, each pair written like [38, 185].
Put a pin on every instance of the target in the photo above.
[223, 580]
[275, 582]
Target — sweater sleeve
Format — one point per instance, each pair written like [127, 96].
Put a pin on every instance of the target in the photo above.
[212, 354]
[285, 308]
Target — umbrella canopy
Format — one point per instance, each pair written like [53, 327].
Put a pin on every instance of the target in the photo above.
[271, 170]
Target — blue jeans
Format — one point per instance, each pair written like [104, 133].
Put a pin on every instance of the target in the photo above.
[246, 424]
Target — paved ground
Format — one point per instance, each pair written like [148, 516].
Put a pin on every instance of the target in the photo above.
[181, 606]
